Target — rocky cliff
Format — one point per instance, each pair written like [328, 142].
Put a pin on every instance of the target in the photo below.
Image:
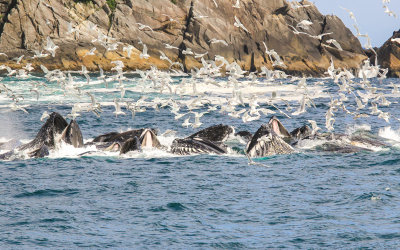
[389, 55]
[77, 26]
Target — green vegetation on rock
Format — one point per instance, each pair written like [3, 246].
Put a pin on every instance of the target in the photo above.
[112, 4]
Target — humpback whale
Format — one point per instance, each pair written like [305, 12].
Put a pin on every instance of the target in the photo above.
[55, 129]
[341, 143]
[206, 141]
[188, 146]
[127, 141]
[273, 138]
[269, 140]
[132, 144]
[73, 135]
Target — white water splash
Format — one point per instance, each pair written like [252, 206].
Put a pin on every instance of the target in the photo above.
[309, 144]
[390, 134]
[393, 136]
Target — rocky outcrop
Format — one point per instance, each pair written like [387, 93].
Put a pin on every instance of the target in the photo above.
[389, 55]
[25, 26]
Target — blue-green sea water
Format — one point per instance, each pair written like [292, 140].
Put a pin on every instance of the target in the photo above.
[308, 199]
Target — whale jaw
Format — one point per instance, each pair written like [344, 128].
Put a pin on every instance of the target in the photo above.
[72, 135]
[131, 144]
[278, 127]
[266, 142]
[189, 146]
[149, 139]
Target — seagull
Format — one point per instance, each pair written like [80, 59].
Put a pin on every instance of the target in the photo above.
[351, 14]
[389, 12]
[142, 26]
[358, 31]
[119, 65]
[334, 42]
[216, 5]
[395, 89]
[305, 24]
[76, 108]
[94, 104]
[39, 54]
[186, 123]
[35, 90]
[85, 72]
[199, 16]
[91, 52]
[167, 46]
[44, 116]
[118, 110]
[92, 26]
[197, 122]
[314, 126]
[385, 116]
[11, 71]
[128, 49]
[187, 51]
[102, 76]
[237, 4]
[131, 107]
[200, 55]
[360, 105]
[319, 37]
[71, 29]
[51, 47]
[18, 59]
[28, 67]
[122, 88]
[329, 120]
[164, 57]
[247, 118]
[302, 107]
[112, 46]
[239, 24]
[297, 5]
[15, 107]
[296, 32]
[144, 53]
[178, 116]
[218, 41]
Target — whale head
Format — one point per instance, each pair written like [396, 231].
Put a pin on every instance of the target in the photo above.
[72, 135]
[148, 139]
[278, 127]
[269, 140]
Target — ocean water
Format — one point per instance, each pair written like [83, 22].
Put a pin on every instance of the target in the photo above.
[155, 200]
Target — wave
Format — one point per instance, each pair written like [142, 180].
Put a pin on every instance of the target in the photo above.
[47, 193]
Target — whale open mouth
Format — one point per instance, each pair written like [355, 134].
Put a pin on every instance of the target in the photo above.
[149, 139]
[267, 141]
[115, 146]
[278, 128]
